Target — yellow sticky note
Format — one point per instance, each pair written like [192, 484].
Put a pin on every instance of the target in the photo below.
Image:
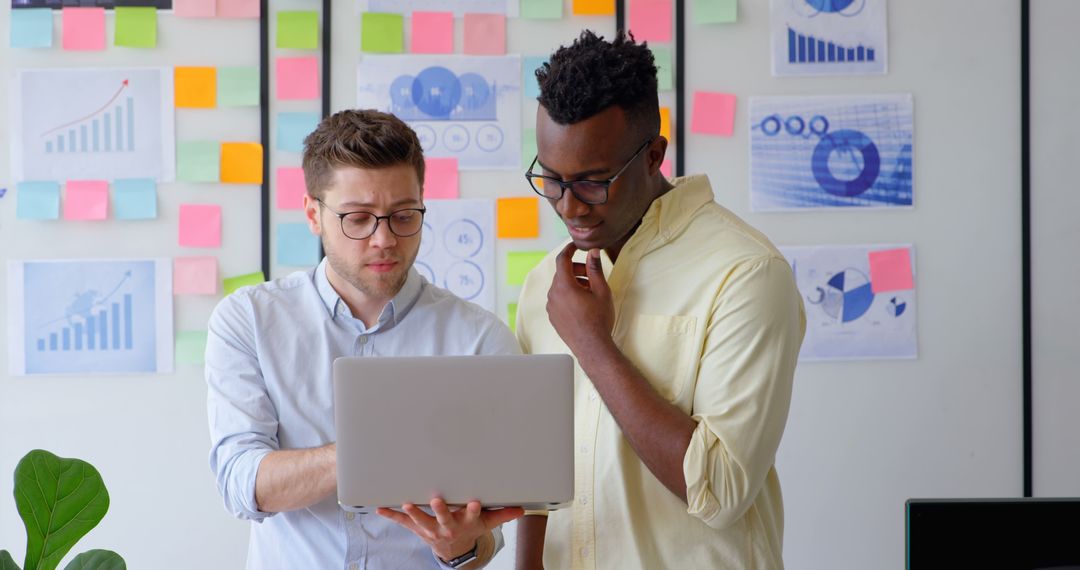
[594, 7]
[195, 87]
[665, 123]
[520, 263]
[517, 217]
[233, 283]
[241, 163]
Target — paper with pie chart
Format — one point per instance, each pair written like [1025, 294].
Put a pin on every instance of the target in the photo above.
[463, 107]
[848, 315]
[829, 37]
[457, 249]
[831, 152]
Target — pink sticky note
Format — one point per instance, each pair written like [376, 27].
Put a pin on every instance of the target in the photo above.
[195, 276]
[195, 8]
[86, 200]
[290, 188]
[440, 178]
[650, 20]
[297, 78]
[665, 167]
[485, 34]
[238, 8]
[432, 32]
[890, 270]
[84, 28]
[200, 225]
[714, 114]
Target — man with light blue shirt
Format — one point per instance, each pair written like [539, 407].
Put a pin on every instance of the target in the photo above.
[270, 352]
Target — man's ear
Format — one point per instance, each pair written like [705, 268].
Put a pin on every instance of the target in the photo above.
[656, 152]
[311, 213]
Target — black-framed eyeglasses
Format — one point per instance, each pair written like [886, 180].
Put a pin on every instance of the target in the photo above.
[362, 225]
[592, 192]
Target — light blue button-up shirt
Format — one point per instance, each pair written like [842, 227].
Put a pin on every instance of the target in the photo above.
[269, 359]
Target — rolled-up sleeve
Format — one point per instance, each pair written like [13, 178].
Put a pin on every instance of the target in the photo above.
[243, 420]
[743, 389]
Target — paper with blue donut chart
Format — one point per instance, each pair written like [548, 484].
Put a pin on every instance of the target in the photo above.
[463, 107]
[851, 312]
[93, 124]
[90, 316]
[829, 37]
[831, 152]
[457, 249]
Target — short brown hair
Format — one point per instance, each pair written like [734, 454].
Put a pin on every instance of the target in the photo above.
[361, 138]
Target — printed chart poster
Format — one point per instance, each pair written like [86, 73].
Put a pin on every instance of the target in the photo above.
[829, 37]
[90, 316]
[860, 301]
[458, 7]
[457, 249]
[830, 152]
[467, 108]
[93, 124]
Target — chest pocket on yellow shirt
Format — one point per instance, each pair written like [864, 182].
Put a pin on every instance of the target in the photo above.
[660, 346]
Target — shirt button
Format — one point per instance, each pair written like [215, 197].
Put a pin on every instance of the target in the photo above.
[584, 551]
[354, 566]
[350, 516]
[592, 395]
[363, 340]
[584, 500]
[584, 448]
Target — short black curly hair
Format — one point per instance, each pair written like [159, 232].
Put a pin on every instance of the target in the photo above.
[590, 75]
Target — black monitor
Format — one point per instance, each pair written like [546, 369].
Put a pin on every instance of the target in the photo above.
[1006, 534]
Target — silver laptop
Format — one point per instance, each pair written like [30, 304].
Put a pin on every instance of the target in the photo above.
[497, 429]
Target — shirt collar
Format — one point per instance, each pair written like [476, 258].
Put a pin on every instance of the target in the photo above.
[674, 210]
[392, 314]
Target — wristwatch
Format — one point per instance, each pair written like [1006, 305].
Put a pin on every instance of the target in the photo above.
[463, 559]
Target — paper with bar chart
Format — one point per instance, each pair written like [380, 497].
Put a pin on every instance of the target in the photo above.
[467, 108]
[831, 152]
[90, 316]
[457, 249]
[829, 37]
[854, 309]
[93, 124]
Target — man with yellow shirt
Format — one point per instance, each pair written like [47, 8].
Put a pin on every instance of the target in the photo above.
[685, 324]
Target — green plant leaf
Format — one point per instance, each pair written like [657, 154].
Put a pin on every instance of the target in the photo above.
[7, 562]
[59, 500]
[97, 560]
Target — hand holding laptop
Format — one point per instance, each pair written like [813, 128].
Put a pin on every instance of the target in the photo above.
[451, 534]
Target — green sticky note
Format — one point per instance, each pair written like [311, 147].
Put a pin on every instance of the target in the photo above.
[238, 86]
[662, 57]
[298, 30]
[528, 147]
[382, 33]
[541, 9]
[234, 283]
[191, 347]
[136, 26]
[715, 11]
[198, 161]
[520, 263]
[511, 316]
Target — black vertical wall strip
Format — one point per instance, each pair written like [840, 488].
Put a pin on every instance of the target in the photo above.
[1025, 228]
[620, 15]
[326, 19]
[680, 92]
[264, 128]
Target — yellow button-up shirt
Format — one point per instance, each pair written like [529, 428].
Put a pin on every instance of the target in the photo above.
[708, 312]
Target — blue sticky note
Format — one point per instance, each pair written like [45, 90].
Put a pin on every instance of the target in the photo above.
[528, 75]
[38, 200]
[31, 28]
[297, 246]
[135, 199]
[292, 128]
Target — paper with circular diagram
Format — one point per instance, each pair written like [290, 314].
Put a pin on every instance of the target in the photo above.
[457, 249]
[859, 300]
[464, 107]
[831, 152]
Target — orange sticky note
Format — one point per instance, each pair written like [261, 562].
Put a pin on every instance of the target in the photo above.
[86, 200]
[238, 8]
[714, 114]
[290, 188]
[297, 78]
[241, 163]
[440, 178]
[485, 34]
[194, 8]
[432, 32]
[200, 225]
[195, 276]
[517, 217]
[594, 7]
[195, 87]
[650, 20]
[84, 29]
[890, 270]
[665, 123]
